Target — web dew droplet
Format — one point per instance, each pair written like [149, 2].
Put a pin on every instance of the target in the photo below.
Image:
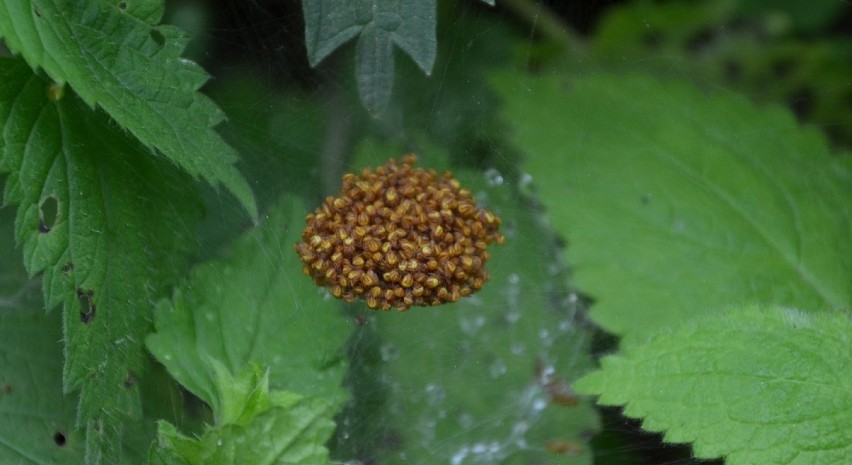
[525, 184]
[471, 324]
[518, 348]
[435, 394]
[389, 352]
[493, 177]
[497, 368]
[465, 420]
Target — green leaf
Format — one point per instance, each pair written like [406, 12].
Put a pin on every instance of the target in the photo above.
[755, 385]
[123, 62]
[149, 11]
[272, 427]
[410, 24]
[36, 420]
[676, 204]
[239, 398]
[254, 306]
[483, 380]
[107, 226]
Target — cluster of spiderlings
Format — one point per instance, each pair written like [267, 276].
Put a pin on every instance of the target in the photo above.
[399, 236]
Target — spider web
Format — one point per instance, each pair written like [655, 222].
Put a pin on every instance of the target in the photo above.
[299, 129]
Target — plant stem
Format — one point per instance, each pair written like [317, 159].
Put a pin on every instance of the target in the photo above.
[338, 132]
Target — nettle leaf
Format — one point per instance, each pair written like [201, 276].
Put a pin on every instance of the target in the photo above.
[107, 226]
[677, 204]
[254, 306]
[115, 56]
[410, 24]
[267, 428]
[36, 420]
[753, 385]
[486, 379]
[149, 11]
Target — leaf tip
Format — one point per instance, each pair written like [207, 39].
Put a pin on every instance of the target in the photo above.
[590, 384]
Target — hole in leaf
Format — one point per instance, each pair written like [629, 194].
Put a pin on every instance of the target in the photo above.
[37, 12]
[158, 37]
[48, 212]
[67, 268]
[87, 305]
[59, 439]
[122, 6]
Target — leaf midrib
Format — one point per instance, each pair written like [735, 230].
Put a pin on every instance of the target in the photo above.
[797, 267]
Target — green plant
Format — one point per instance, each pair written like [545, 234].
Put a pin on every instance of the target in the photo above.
[687, 211]
[408, 24]
[710, 235]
